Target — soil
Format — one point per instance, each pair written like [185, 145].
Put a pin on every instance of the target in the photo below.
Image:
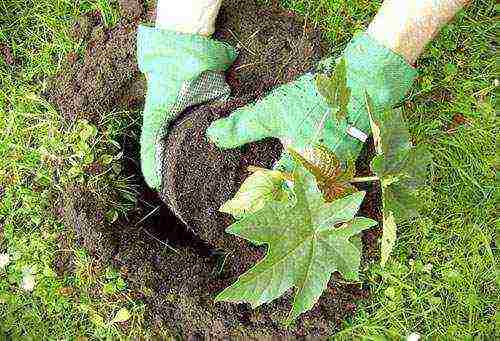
[178, 287]
[6, 54]
[103, 76]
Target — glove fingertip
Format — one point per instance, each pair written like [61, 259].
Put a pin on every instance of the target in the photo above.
[152, 180]
[221, 133]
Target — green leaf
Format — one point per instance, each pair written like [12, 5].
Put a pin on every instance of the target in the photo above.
[121, 316]
[260, 187]
[97, 319]
[334, 89]
[87, 130]
[399, 184]
[308, 240]
[388, 237]
[401, 169]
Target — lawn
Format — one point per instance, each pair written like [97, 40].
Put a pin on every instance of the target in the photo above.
[440, 282]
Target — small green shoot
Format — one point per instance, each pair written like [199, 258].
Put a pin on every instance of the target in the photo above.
[334, 89]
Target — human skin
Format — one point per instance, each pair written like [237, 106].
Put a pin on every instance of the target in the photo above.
[404, 26]
[188, 16]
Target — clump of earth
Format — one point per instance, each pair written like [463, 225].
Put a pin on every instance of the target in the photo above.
[178, 288]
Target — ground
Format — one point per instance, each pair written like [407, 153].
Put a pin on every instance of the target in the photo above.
[440, 280]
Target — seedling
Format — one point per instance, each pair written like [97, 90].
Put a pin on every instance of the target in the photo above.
[307, 218]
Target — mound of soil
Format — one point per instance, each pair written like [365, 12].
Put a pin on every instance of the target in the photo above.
[178, 287]
[107, 74]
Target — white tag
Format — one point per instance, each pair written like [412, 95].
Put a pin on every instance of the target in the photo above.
[357, 134]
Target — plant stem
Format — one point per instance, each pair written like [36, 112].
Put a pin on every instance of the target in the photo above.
[365, 179]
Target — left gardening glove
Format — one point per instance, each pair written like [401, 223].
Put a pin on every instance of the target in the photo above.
[302, 116]
[183, 67]
[376, 64]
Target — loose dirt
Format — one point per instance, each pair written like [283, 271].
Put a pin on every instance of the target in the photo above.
[178, 287]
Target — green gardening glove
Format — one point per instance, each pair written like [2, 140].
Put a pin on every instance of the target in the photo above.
[181, 70]
[297, 114]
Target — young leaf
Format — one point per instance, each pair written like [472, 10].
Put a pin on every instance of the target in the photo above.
[334, 89]
[305, 246]
[401, 169]
[261, 186]
[332, 178]
[121, 316]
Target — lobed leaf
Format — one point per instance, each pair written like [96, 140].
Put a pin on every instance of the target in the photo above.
[400, 167]
[308, 240]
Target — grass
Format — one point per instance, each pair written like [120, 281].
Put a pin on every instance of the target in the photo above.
[39, 155]
[441, 279]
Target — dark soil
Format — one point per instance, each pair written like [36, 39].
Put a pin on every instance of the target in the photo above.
[102, 78]
[179, 287]
[372, 205]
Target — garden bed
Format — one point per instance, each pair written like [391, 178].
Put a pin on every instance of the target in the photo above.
[178, 288]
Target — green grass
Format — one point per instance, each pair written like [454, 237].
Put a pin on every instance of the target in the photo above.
[441, 279]
[39, 156]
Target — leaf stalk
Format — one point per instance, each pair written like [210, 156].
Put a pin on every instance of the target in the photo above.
[365, 179]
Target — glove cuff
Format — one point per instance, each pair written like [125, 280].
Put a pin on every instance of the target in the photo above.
[378, 71]
[180, 55]
[188, 16]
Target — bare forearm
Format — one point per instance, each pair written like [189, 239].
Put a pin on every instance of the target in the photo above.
[188, 16]
[406, 26]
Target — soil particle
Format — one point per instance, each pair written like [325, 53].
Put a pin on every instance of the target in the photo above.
[131, 9]
[72, 57]
[64, 261]
[179, 287]
[456, 121]
[6, 54]
[82, 28]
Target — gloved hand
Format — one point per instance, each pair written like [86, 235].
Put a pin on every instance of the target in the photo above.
[182, 69]
[299, 116]
[377, 62]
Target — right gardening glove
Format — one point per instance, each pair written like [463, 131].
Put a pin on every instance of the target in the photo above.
[302, 118]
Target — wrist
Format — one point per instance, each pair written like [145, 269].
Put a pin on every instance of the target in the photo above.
[406, 27]
[188, 16]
